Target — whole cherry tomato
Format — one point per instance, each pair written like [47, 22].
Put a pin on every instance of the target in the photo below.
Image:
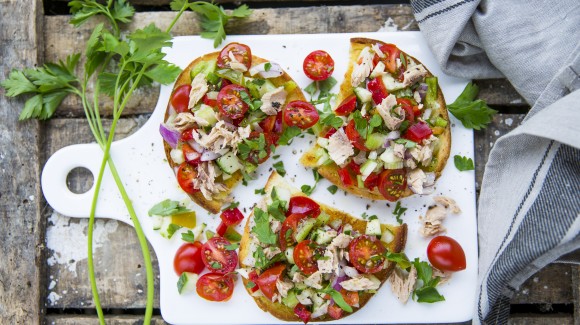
[446, 254]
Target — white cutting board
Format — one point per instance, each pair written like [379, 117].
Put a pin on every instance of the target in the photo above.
[148, 178]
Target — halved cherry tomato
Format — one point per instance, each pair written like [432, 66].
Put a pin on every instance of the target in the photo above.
[355, 138]
[347, 106]
[304, 257]
[417, 132]
[217, 258]
[350, 297]
[185, 176]
[446, 254]
[392, 53]
[267, 280]
[334, 311]
[302, 312]
[354, 167]
[392, 183]
[378, 89]
[191, 156]
[371, 181]
[301, 114]
[209, 102]
[411, 111]
[345, 176]
[180, 98]
[253, 276]
[241, 52]
[318, 65]
[329, 133]
[221, 229]
[287, 232]
[230, 101]
[268, 123]
[367, 254]
[215, 287]
[188, 258]
[232, 217]
[303, 205]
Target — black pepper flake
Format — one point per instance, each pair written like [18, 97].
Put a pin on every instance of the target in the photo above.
[276, 104]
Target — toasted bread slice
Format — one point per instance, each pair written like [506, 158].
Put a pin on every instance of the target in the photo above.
[214, 205]
[286, 313]
[330, 171]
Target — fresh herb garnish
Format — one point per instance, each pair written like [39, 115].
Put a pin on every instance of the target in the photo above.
[171, 229]
[332, 189]
[288, 134]
[331, 119]
[473, 114]
[338, 299]
[398, 212]
[267, 66]
[260, 191]
[279, 167]
[399, 258]
[403, 60]
[426, 291]
[232, 205]
[216, 265]
[252, 146]
[181, 282]
[167, 208]
[406, 143]
[307, 189]
[188, 236]
[463, 163]
[262, 228]
[250, 284]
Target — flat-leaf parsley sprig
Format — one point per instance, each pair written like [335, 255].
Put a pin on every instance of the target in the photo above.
[118, 65]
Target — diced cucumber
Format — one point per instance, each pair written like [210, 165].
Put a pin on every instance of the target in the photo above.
[363, 94]
[334, 224]
[198, 230]
[231, 75]
[212, 94]
[283, 194]
[304, 228]
[323, 236]
[317, 129]
[378, 70]
[177, 156]
[375, 141]
[168, 228]
[390, 83]
[289, 252]
[301, 286]
[249, 167]
[359, 181]
[367, 168]
[440, 122]
[187, 282]
[209, 234]
[373, 227]
[212, 78]
[206, 113]
[431, 96]
[322, 218]
[157, 222]
[289, 86]
[323, 142]
[387, 236]
[232, 235]
[390, 160]
[204, 67]
[322, 157]
[290, 300]
[229, 163]
[266, 87]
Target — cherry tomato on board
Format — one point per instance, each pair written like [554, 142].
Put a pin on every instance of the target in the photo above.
[230, 101]
[392, 183]
[302, 312]
[303, 205]
[366, 254]
[287, 232]
[267, 280]
[355, 138]
[188, 258]
[304, 257]
[180, 98]
[347, 106]
[217, 258]
[215, 287]
[301, 114]
[318, 65]
[241, 52]
[186, 173]
[446, 254]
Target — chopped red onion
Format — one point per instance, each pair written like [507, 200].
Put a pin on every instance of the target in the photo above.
[196, 146]
[191, 156]
[336, 286]
[169, 135]
[209, 155]
[393, 135]
[422, 89]
[274, 71]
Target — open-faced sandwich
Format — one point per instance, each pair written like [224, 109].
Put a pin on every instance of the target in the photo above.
[394, 139]
[223, 120]
[302, 260]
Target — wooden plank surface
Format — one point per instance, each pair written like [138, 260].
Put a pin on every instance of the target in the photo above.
[341, 19]
[22, 259]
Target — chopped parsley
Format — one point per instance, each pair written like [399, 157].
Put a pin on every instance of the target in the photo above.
[250, 284]
[279, 166]
[463, 163]
[188, 236]
[426, 291]
[473, 114]
[288, 134]
[398, 212]
[267, 66]
[262, 228]
[233, 205]
[332, 189]
[307, 189]
[181, 282]
[253, 146]
[406, 143]
[260, 191]
[216, 265]
[171, 229]
[167, 208]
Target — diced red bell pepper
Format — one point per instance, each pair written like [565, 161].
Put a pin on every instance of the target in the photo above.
[417, 132]
[232, 217]
[221, 229]
[354, 167]
[345, 176]
[302, 313]
[371, 181]
[378, 90]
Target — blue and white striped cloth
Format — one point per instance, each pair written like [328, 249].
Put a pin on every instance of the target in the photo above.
[529, 204]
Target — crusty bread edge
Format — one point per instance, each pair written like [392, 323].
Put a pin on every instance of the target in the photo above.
[330, 171]
[285, 313]
[214, 205]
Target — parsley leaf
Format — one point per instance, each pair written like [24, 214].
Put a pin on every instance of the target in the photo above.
[307, 189]
[171, 229]
[473, 114]
[399, 258]
[406, 143]
[332, 189]
[279, 166]
[167, 208]
[262, 227]
[181, 282]
[260, 191]
[463, 163]
[426, 292]
[398, 212]
[332, 120]
[232, 205]
[288, 134]
[338, 299]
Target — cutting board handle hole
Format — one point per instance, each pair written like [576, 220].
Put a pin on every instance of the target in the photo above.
[80, 180]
